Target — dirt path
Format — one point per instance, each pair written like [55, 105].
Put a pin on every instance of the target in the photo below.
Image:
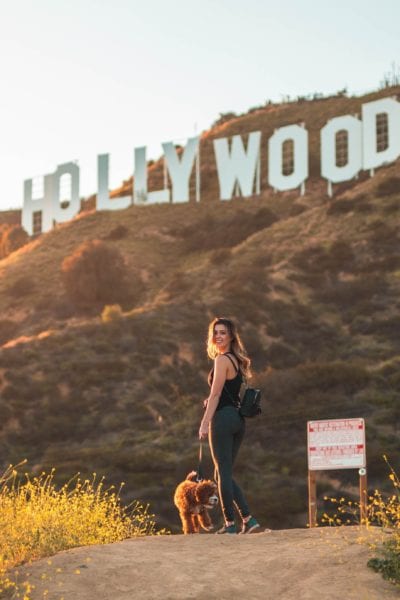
[299, 564]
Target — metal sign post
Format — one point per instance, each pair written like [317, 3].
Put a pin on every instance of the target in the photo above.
[336, 444]
[363, 494]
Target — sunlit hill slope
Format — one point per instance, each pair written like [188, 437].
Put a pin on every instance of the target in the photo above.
[313, 281]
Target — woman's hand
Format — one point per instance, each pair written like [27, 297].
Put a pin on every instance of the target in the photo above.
[205, 402]
[203, 431]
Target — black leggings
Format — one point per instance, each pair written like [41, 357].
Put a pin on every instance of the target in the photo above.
[225, 436]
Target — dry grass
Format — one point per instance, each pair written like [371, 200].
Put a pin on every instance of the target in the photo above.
[383, 510]
[37, 519]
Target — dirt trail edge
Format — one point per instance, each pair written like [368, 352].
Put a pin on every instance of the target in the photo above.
[296, 564]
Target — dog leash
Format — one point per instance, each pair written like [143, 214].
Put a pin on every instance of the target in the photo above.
[200, 475]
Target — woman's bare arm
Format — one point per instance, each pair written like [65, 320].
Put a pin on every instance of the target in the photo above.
[221, 365]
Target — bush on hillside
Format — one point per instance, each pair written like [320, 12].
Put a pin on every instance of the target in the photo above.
[296, 209]
[178, 284]
[318, 259]
[280, 355]
[344, 205]
[389, 186]
[62, 309]
[223, 231]
[117, 233]
[224, 118]
[383, 237]
[298, 326]
[94, 274]
[12, 237]
[388, 263]
[350, 294]
[8, 329]
[338, 377]
[21, 287]
[111, 312]
[220, 256]
[391, 207]
[387, 328]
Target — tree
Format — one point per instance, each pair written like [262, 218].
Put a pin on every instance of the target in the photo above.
[12, 238]
[95, 273]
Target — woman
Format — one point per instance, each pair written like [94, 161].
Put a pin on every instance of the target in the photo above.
[222, 420]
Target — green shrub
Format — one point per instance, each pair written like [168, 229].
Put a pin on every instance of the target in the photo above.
[389, 564]
[385, 511]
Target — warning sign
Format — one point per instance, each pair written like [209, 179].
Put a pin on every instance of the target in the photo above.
[336, 444]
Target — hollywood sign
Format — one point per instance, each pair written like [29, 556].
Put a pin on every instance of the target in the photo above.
[238, 167]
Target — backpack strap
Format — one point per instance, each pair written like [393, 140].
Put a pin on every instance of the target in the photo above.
[244, 380]
[237, 369]
[227, 355]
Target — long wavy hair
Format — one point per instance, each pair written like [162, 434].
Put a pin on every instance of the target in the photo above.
[236, 347]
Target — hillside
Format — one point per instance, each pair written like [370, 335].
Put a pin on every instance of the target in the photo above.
[282, 565]
[313, 281]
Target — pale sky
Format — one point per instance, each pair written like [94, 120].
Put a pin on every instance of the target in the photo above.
[85, 77]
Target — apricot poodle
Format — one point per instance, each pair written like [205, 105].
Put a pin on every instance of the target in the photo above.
[193, 499]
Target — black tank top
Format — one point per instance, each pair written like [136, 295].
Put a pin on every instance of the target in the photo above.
[230, 392]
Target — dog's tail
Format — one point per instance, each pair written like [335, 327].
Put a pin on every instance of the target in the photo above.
[192, 476]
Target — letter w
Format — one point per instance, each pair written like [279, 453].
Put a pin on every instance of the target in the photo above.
[238, 165]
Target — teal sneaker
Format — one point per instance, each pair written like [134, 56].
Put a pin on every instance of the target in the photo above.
[251, 526]
[227, 529]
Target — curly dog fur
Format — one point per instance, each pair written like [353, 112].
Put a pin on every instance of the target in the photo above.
[193, 499]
